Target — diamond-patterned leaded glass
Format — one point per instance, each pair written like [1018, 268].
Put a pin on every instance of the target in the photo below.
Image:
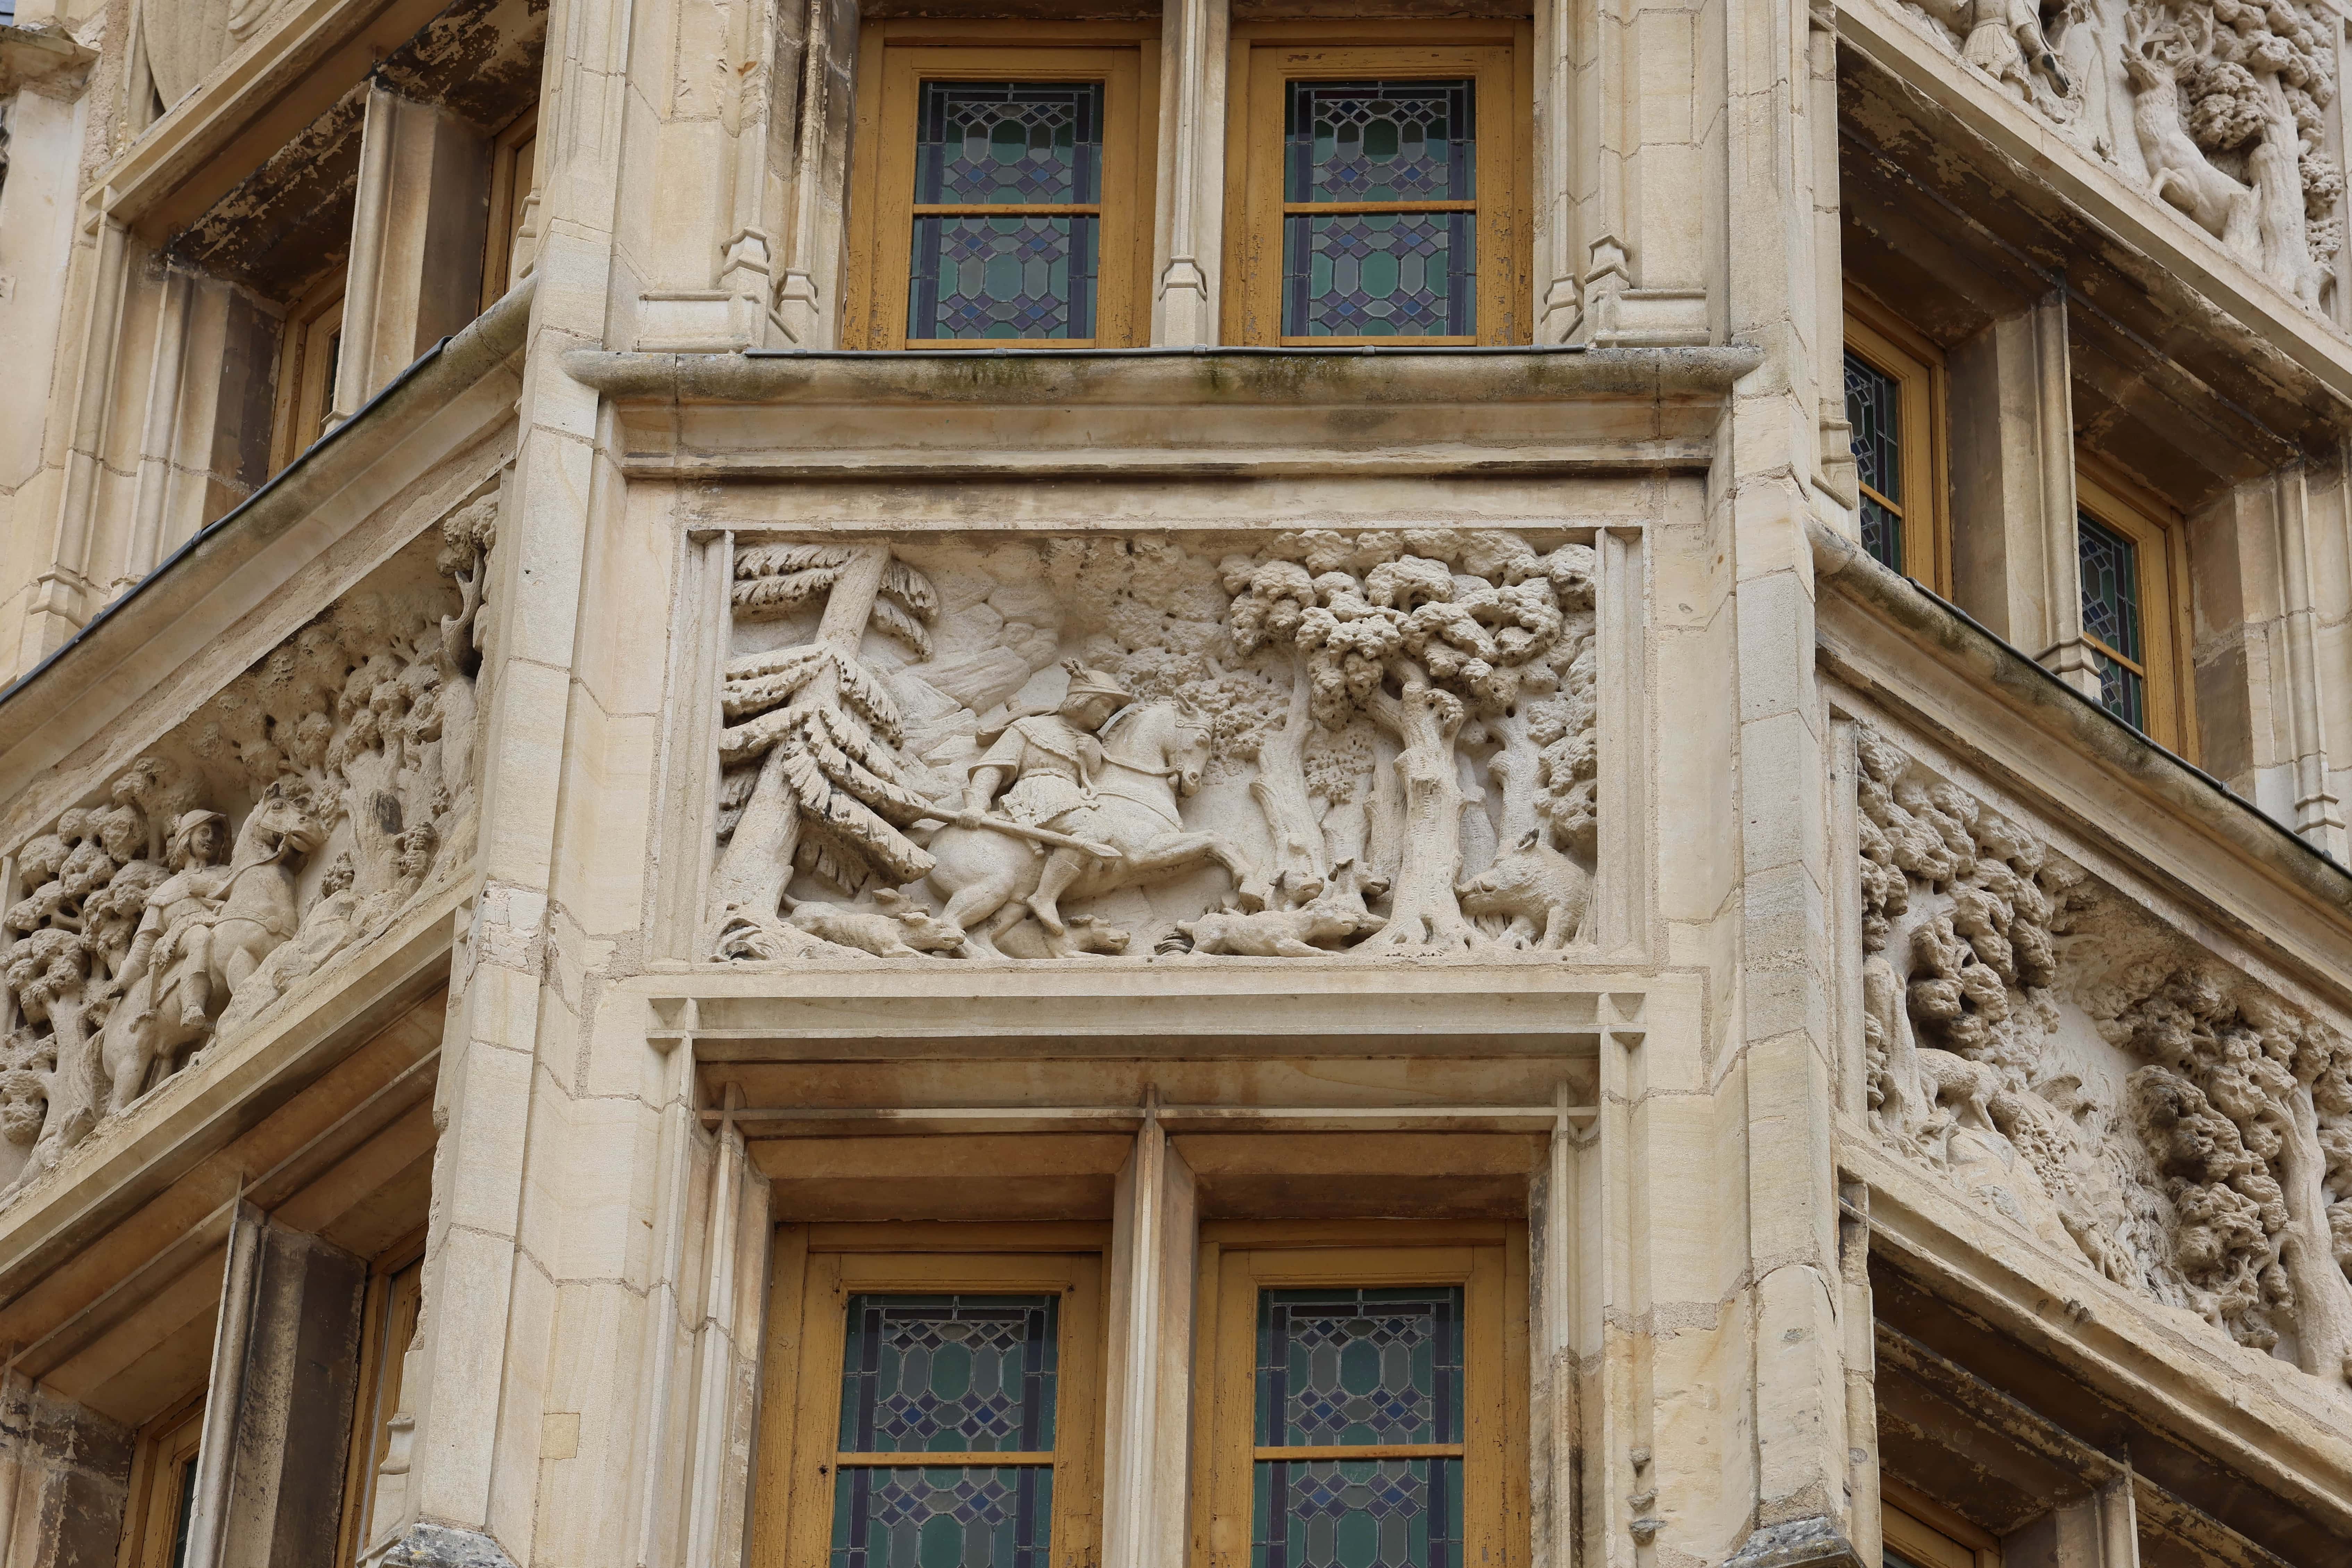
[981, 277]
[999, 142]
[1375, 275]
[955, 1374]
[986, 272]
[1358, 1369]
[1873, 407]
[2111, 616]
[942, 1516]
[1349, 272]
[1357, 1513]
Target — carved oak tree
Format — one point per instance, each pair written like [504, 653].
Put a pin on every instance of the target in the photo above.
[1379, 623]
[830, 795]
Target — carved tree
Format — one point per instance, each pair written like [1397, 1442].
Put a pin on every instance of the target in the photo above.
[1394, 634]
[829, 794]
[1954, 918]
[2232, 1105]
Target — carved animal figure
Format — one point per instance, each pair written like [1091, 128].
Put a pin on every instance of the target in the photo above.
[1540, 893]
[1153, 752]
[2219, 204]
[1946, 1078]
[903, 929]
[184, 976]
[1081, 935]
[1310, 930]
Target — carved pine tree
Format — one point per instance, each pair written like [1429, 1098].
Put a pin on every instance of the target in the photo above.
[830, 796]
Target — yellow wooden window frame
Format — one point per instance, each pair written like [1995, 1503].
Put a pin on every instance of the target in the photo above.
[1877, 335]
[514, 153]
[2161, 555]
[161, 1466]
[895, 59]
[1240, 1259]
[395, 1296]
[1930, 1535]
[1266, 57]
[309, 348]
[818, 1268]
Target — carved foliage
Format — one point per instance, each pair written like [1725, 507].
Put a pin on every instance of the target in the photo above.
[2095, 1079]
[295, 815]
[1364, 690]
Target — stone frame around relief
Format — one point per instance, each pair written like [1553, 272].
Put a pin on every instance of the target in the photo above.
[684, 904]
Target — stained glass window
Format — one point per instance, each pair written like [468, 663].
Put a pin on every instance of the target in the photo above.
[2111, 617]
[1873, 407]
[1380, 210]
[1378, 1371]
[949, 1378]
[1007, 215]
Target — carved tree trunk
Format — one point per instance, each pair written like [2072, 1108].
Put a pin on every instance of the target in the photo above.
[1886, 994]
[1514, 770]
[2322, 1297]
[758, 859]
[1424, 910]
[1280, 790]
[2275, 164]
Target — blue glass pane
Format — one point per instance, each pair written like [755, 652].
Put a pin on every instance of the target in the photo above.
[1360, 1367]
[1379, 274]
[978, 277]
[1380, 142]
[988, 142]
[941, 1517]
[948, 1374]
[1357, 1513]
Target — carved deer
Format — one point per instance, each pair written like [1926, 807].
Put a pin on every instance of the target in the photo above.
[2183, 177]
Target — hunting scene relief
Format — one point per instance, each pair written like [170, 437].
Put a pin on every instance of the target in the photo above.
[1320, 745]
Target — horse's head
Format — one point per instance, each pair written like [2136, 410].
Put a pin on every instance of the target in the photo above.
[280, 826]
[1189, 732]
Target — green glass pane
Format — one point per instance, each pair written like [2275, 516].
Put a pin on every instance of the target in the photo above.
[948, 1373]
[993, 142]
[977, 277]
[1360, 1367]
[1873, 407]
[2110, 565]
[942, 1516]
[1379, 274]
[1350, 142]
[1357, 1513]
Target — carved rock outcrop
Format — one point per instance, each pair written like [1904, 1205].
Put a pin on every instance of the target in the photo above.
[2089, 1075]
[296, 814]
[1331, 744]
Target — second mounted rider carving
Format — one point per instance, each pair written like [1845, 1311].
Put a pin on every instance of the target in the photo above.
[1310, 744]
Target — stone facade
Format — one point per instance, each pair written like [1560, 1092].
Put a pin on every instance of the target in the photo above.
[563, 813]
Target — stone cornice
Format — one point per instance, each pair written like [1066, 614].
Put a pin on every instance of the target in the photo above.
[1154, 412]
[184, 605]
[2238, 832]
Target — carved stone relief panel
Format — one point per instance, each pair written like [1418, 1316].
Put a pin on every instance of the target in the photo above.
[2216, 107]
[2084, 1070]
[295, 815]
[187, 39]
[1312, 744]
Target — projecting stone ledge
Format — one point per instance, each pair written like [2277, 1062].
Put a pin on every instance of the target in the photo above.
[1482, 412]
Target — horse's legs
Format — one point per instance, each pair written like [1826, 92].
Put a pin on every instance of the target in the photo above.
[1251, 891]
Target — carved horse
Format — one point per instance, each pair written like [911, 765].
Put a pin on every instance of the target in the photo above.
[1153, 753]
[255, 911]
